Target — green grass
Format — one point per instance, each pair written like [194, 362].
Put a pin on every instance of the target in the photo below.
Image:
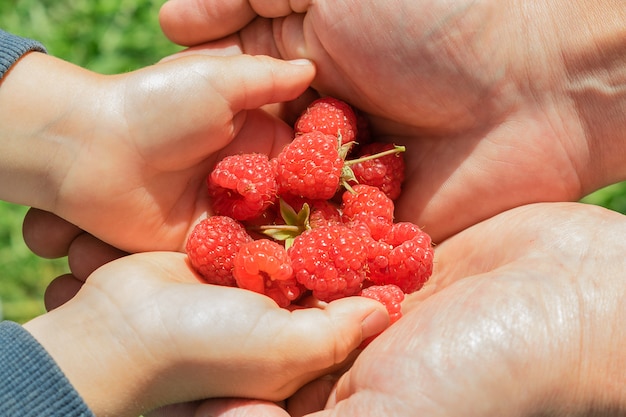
[106, 36]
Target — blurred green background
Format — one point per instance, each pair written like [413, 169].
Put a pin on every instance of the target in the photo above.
[106, 36]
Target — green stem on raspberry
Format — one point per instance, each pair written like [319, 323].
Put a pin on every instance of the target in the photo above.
[396, 149]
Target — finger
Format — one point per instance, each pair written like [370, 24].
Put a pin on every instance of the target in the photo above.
[87, 253]
[61, 290]
[210, 95]
[190, 22]
[48, 235]
[248, 82]
[349, 321]
[240, 408]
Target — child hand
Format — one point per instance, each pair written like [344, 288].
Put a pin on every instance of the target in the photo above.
[125, 157]
[143, 332]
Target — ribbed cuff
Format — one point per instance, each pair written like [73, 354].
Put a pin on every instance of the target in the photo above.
[31, 383]
[13, 47]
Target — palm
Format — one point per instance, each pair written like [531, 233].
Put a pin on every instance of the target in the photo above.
[438, 84]
[530, 312]
[150, 166]
[478, 121]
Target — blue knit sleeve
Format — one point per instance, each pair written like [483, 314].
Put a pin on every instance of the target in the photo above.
[13, 47]
[31, 383]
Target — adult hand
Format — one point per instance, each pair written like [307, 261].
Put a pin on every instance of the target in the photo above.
[125, 157]
[143, 332]
[523, 316]
[498, 103]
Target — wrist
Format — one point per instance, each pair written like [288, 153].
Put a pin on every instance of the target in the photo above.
[97, 357]
[40, 124]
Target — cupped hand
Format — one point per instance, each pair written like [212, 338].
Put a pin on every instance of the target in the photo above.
[143, 332]
[125, 157]
[498, 103]
[522, 317]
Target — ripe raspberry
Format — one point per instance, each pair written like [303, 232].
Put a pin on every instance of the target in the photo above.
[242, 186]
[368, 205]
[330, 261]
[404, 257]
[391, 296]
[331, 116]
[263, 266]
[310, 166]
[386, 172]
[212, 247]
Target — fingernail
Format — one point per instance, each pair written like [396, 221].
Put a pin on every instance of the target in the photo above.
[374, 323]
[301, 61]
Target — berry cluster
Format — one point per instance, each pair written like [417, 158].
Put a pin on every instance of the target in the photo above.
[317, 219]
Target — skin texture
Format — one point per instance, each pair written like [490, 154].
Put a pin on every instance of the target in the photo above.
[500, 104]
[102, 151]
[148, 331]
[497, 102]
[524, 323]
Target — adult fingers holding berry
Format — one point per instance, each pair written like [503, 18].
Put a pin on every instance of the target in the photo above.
[487, 126]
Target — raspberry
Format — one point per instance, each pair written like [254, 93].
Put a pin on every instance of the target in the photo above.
[391, 296]
[330, 261]
[368, 205]
[386, 172]
[310, 166]
[263, 266]
[242, 186]
[331, 116]
[212, 247]
[404, 257]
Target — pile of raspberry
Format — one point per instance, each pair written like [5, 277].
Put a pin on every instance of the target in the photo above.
[318, 219]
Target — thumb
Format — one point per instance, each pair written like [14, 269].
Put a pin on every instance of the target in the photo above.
[248, 82]
[197, 97]
[349, 321]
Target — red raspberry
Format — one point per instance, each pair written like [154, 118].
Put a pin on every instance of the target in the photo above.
[310, 166]
[331, 116]
[330, 261]
[386, 172]
[368, 205]
[404, 257]
[263, 266]
[212, 247]
[391, 296]
[242, 186]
